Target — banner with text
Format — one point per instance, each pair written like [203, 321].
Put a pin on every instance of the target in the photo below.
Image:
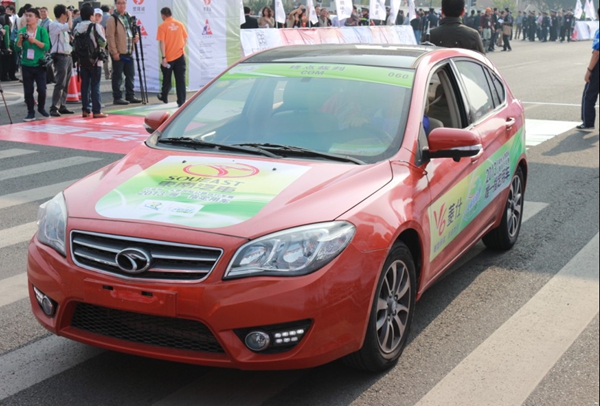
[261, 39]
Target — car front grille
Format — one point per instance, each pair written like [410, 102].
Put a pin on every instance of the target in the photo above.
[166, 332]
[168, 261]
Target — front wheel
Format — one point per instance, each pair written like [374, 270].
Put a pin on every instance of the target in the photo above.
[505, 235]
[391, 314]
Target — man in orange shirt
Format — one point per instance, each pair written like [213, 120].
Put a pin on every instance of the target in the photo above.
[171, 37]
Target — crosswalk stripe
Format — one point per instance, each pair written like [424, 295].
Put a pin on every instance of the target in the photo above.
[13, 289]
[508, 365]
[32, 195]
[538, 131]
[36, 362]
[17, 234]
[45, 166]
[10, 153]
[211, 390]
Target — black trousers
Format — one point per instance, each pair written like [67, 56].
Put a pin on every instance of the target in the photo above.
[120, 68]
[588, 100]
[178, 67]
[35, 75]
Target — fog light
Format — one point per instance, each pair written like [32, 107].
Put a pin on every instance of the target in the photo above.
[47, 304]
[257, 340]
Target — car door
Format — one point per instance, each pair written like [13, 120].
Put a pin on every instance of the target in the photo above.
[446, 176]
[467, 196]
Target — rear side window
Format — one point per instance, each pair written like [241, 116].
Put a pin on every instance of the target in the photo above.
[479, 93]
[497, 89]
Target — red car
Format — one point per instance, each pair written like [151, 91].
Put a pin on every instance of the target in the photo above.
[291, 213]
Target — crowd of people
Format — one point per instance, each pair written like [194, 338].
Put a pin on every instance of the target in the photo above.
[91, 40]
[496, 27]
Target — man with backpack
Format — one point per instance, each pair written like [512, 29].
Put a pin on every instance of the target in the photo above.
[88, 44]
[61, 55]
[122, 38]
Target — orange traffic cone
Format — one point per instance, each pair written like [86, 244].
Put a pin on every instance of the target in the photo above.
[73, 95]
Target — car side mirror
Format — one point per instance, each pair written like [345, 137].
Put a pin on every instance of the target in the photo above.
[455, 143]
[155, 119]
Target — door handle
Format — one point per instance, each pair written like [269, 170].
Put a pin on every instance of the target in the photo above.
[510, 122]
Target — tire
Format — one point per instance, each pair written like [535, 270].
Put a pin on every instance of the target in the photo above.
[505, 235]
[391, 314]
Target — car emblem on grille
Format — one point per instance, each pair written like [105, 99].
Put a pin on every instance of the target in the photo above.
[133, 260]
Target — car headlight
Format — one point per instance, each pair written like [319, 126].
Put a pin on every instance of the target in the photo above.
[52, 223]
[293, 252]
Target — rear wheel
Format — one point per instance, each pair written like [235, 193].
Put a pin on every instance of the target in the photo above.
[505, 235]
[391, 314]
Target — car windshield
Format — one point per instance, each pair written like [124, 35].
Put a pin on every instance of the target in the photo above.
[325, 111]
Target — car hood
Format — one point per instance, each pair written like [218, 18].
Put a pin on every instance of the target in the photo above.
[232, 195]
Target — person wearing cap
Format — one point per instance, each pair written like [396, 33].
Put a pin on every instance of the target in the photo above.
[553, 26]
[91, 75]
[531, 26]
[452, 33]
[545, 27]
[171, 37]
[590, 91]
[61, 56]
[566, 29]
[485, 27]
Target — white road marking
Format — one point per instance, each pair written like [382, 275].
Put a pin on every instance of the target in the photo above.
[36, 362]
[44, 167]
[13, 289]
[9, 153]
[17, 234]
[240, 389]
[32, 195]
[555, 104]
[531, 209]
[506, 368]
[538, 131]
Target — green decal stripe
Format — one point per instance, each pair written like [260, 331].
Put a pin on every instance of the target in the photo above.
[456, 209]
[390, 76]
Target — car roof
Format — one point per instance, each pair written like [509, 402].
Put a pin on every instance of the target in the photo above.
[382, 55]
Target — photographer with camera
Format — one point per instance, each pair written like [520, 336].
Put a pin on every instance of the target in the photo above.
[89, 43]
[121, 34]
[34, 42]
[61, 55]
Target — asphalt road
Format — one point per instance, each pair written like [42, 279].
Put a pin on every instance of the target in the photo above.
[512, 328]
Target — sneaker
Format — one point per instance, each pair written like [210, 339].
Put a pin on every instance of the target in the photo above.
[64, 110]
[159, 97]
[584, 127]
[120, 102]
[55, 113]
[100, 115]
[43, 112]
[133, 100]
[30, 116]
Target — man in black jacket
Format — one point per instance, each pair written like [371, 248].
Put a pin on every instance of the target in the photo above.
[451, 33]
[251, 22]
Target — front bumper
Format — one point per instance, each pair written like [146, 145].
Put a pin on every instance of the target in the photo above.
[335, 300]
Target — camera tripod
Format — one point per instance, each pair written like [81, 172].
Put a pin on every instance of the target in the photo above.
[141, 66]
[5, 104]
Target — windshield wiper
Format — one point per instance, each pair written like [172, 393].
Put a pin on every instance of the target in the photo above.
[302, 151]
[225, 147]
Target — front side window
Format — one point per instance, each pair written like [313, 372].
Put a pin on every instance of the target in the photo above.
[348, 110]
[477, 88]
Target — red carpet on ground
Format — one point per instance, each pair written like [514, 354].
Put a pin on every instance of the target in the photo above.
[115, 134]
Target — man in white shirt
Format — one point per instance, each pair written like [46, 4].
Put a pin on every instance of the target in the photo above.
[61, 55]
